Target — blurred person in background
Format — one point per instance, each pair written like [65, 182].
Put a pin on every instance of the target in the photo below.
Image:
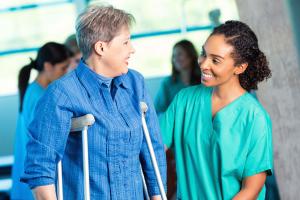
[52, 62]
[185, 72]
[71, 44]
[214, 17]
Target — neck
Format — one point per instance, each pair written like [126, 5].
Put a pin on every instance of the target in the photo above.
[43, 80]
[99, 67]
[185, 76]
[229, 91]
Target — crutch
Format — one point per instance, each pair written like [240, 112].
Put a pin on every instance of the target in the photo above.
[144, 109]
[78, 124]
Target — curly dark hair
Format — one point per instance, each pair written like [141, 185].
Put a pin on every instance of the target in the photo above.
[245, 44]
[191, 51]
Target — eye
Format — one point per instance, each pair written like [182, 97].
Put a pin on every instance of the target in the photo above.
[215, 61]
[126, 42]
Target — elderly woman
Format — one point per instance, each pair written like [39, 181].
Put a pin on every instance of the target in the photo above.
[103, 86]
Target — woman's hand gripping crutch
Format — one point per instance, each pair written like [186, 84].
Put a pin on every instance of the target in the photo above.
[144, 109]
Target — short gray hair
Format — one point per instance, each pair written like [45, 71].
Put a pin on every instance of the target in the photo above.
[99, 23]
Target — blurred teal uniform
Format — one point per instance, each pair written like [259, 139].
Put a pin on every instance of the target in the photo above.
[214, 154]
[33, 93]
[166, 93]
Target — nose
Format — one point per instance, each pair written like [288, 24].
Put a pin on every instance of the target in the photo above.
[132, 49]
[203, 64]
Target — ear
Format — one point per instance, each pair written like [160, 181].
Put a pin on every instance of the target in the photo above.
[240, 68]
[99, 48]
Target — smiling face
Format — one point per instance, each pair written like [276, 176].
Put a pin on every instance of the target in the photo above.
[181, 59]
[216, 62]
[117, 52]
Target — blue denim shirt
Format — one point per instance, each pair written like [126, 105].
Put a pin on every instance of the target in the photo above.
[117, 145]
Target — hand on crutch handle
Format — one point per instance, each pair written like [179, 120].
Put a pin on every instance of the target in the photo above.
[78, 124]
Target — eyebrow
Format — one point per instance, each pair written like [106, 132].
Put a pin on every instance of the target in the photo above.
[214, 55]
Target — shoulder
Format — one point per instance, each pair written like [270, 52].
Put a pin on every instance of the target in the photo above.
[64, 83]
[33, 94]
[192, 96]
[134, 75]
[255, 107]
[34, 86]
[195, 91]
[258, 118]
[67, 78]
[167, 80]
[164, 83]
[60, 89]
[134, 80]
[34, 89]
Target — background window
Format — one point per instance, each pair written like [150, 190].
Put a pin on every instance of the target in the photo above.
[44, 21]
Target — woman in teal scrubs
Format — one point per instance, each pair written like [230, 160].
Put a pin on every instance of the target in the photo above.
[51, 63]
[221, 135]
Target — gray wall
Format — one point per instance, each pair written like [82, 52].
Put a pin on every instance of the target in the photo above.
[281, 94]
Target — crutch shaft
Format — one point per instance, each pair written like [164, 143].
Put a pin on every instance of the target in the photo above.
[145, 185]
[153, 158]
[59, 181]
[85, 157]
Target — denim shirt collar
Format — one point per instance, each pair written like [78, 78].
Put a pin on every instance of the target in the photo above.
[92, 81]
[122, 81]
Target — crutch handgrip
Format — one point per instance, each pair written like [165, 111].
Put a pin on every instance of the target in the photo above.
[144, 107]
[80, 122]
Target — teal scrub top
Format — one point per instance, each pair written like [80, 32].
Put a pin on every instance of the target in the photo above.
[166, 93]
[32, 95]
[214, 155]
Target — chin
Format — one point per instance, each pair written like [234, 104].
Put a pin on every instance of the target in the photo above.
[207, 83]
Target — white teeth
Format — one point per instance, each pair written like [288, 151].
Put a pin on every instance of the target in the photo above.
[207, 75]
